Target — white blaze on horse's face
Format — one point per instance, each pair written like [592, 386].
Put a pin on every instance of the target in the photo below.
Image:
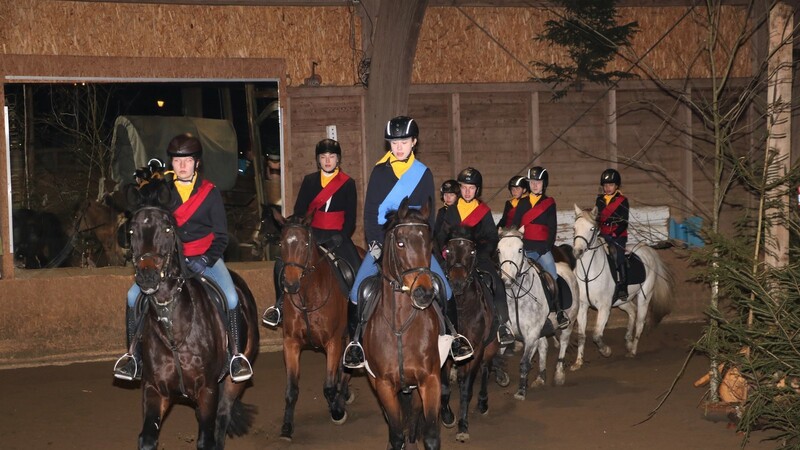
[584, 232]
[510, 254]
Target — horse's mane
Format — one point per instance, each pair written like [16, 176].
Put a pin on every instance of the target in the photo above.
[460, 232]
[404, 214]
[154, 193]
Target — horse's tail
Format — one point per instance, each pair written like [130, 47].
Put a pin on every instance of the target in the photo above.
[242, 416]
[662, 298]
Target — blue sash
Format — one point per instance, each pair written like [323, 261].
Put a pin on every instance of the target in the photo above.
[403, 188]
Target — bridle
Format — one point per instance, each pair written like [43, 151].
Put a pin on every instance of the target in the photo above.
[396, 274]
[307, 266]
[161, 261]
[468, 269]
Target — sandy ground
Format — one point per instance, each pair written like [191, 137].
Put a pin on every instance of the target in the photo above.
[599, 407]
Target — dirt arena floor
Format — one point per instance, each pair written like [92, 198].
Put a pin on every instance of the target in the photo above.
[80, 406]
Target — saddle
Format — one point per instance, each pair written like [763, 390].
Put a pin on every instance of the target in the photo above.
[549, 285]
[370, 290]
[345, 273]
[636, 272]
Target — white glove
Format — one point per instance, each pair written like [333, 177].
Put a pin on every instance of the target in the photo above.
[375, 250]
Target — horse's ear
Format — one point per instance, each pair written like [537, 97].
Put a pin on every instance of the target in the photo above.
[163, 194]
[425, 210]
[132, 196]
[594, 211]
[309, 217]
[578, 210]
[522, 230]
[276, 214]
[402, 211]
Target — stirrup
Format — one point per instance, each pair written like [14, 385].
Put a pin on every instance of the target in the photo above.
[460, 340]
[355, 361]
[245, 372]
[563, 320]
[121, 366]
[509, 335]
[267, 321]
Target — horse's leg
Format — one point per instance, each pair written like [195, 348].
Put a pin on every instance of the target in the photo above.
[333, 352]
[603, 312]
[392, 409]
[430, 392]
[541, 377]
[583, 309]
[642, 309]
[630, 310]
[230, 393]
[563, 343]
[155, 406]
[483, 394]
[448, 418]
[206, 414]
[525, 366]
[466, 384]
[291, 359]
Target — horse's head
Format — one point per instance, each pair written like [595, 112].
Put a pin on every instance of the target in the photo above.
[154, 238]
[297, 251]
[460, 259]
[269, 228]
[510, 253]
[407, 254]
[585, 230]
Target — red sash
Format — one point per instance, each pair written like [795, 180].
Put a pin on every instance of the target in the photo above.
[536, 232]
[324, 220]
[185, 211]
[327, 192]
[474, 218]
[606, 214]
[509, 219]
[189, 207]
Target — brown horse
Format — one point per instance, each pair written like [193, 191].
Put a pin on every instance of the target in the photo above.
[314, 315]
[183, 336]
[102, 221]
[401, 336]
[475, 315]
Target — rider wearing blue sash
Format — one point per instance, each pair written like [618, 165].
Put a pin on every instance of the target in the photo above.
[397, 175]
[202, 228]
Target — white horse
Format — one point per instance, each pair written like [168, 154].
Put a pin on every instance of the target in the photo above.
[596, 283]
[528, 309]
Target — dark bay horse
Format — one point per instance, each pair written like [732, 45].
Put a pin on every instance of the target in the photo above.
[106, 223]
[400, 337]
[475, 315]
[314, 315]
[183, 336]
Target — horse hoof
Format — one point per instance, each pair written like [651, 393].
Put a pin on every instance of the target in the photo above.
[630, 355]
[483, 409]
[286, 432]
[448, 419]
[340, 421]
[502, 379]
[351, 398]
[519, 395]
[606, 352]
[462, 437]
[286, 438]
[538, 383]
[575, 367]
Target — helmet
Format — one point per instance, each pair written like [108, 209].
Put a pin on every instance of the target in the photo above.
[611, 176]
[184, 145]
[448, 187]
[470, 175]
[328, 146]
[518, 181]
[401, 127]
[539, 173]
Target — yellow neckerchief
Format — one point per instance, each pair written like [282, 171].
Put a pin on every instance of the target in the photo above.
[514, 202]
[534, 198]
[185, 189]
[465, 208]
[608, 198]
[325, 178]
[398, 167]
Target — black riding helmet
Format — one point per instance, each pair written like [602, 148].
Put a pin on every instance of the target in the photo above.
[539, 173]
[611, 176]
[185, 145]
[328, 146]
[448, 187]
[518, 181]
[470, 175]
[401, 127]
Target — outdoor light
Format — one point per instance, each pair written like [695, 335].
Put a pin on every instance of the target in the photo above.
[160, 103]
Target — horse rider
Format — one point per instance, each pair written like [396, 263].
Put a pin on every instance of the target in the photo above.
[518, 188]
[538, 216]
[612, 216]
[199, 211]
[330, 194]
[448, 193]
[473, 214]
[398, 174]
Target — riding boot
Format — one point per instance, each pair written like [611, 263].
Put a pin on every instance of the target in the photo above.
[272, 316]
[240, 368]
[354, 357]
[622, 283]
[505, 335]
[129, 366]
[461, 348]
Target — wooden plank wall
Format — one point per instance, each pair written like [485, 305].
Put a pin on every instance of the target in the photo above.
[504, 129]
